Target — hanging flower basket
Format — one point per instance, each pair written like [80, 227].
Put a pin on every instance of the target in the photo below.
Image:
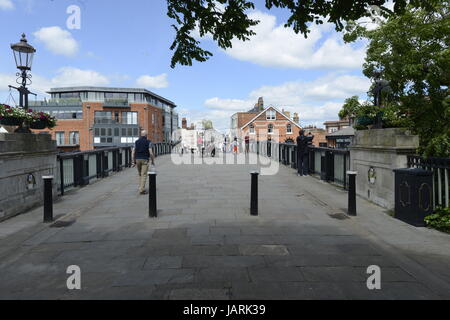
[41, 120]
[15, 116]
[38, 125]
[11, 121]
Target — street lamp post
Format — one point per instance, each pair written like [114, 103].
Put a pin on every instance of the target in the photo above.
[23, 56]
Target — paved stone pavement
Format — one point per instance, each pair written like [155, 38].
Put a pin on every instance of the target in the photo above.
[205, 244]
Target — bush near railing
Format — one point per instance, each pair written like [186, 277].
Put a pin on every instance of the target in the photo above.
[440, 220]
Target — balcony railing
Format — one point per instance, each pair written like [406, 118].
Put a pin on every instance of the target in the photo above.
[56, 103]
[116, 103]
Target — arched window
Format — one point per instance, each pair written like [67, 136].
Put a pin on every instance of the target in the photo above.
[289, 129]
[270, 129]
[252, 129]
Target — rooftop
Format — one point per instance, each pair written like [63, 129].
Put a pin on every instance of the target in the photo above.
[108, 89]
[346, 132]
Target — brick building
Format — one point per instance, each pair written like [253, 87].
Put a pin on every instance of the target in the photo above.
[339, 133]
[333, 126]
[320, 136]
[95, 117]
[270, 124]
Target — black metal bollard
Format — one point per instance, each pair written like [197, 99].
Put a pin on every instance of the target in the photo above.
[254, 194]
[48, 198]
[352, 193]
[152, 207]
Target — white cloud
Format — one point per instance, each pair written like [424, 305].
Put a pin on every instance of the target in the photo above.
[157, 82]
[6, 5]
[277, 46]
[69, 76]
[227, 104]
[58, 41]
[65, 77]
[316, 101]
[330, 87]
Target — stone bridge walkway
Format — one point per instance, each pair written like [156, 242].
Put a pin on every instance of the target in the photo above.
[205, 244]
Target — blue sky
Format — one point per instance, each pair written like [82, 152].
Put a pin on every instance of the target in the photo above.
[126, 44]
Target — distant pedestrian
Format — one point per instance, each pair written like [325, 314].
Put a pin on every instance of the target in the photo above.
[247, 144]
[142, 153]
[225, 145]
[235, 146]
[200, 144]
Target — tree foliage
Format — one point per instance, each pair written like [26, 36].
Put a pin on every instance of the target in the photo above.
[411, 51]
[350, 107]
[226, 20]
[207, 124]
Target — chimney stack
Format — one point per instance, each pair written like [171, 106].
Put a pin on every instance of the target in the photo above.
[287, 114]
[261, 104]
[296, 118]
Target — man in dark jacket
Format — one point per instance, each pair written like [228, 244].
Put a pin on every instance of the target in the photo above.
[142, 153]
[302, 154]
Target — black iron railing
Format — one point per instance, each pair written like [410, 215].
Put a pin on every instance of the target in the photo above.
[77, 169]
[329, 164]
[441, 172]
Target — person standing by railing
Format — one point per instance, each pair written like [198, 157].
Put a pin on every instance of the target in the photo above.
[142, 153]
[302, 154]
[309, 140]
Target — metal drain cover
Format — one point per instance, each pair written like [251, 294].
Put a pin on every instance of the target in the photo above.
[62, 224]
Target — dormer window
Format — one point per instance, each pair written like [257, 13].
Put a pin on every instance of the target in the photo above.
[271, 115]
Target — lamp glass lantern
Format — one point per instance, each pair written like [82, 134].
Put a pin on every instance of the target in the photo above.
[23, 54]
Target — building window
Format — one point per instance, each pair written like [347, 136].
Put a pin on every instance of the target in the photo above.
[74, 138]
[65, 114]
[252, 129]
[103, 117]
[70, 95]
[138, 97]
[60, 138]
[129, 118]
[270, 129]
[271, 115]
[116, 95]
[333, 130]
[289, 129]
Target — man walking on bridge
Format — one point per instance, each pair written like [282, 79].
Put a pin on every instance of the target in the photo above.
[141, 155]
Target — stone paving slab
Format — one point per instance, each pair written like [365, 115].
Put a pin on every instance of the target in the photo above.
[205, 244]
